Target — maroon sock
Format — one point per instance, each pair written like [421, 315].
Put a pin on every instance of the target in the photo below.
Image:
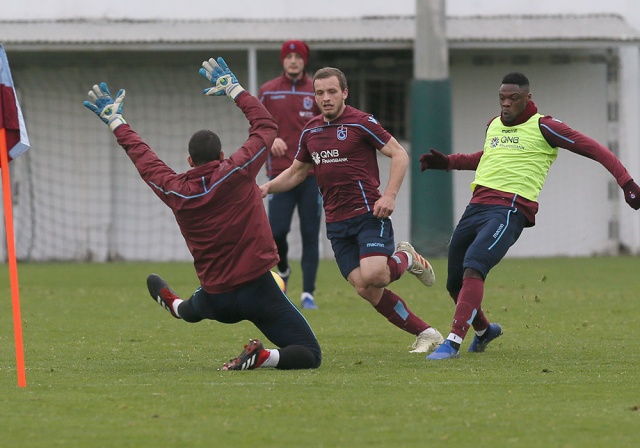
[468, 305]
[398, 263]
[480, 322]
[396, 311]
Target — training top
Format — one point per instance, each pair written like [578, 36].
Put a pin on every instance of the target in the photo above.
[292, 104]
[344, 154]
[504, 148]
[557, 135]
[218, 206]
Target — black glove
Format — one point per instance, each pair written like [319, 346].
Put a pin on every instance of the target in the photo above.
[434, 161]
[632, 194]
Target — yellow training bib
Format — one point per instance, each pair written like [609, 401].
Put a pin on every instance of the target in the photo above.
[516, 159]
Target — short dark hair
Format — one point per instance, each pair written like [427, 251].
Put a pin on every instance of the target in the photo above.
[516, 78]
[204, 147]
[328, 72]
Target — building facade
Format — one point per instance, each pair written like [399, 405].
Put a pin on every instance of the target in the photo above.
[77, 197]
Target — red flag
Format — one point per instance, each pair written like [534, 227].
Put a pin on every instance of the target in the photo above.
[11, 118]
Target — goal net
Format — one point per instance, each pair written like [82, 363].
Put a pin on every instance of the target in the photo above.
[76, 194]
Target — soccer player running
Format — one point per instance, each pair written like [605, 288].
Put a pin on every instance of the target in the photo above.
[341, 145]
[289, 98]
[509, 176]
[218, 207]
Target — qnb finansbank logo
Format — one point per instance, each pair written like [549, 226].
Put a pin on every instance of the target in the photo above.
[328, 156]
[510, 142]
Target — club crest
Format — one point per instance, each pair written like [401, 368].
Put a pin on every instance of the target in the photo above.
[342, 133]
[307, 102]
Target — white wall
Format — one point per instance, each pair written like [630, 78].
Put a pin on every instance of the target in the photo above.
[200, 9]
[630, 9]
[629, 138]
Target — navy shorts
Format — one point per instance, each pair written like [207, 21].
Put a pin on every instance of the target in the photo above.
[356, 238]
[261, 302]
[481, 239]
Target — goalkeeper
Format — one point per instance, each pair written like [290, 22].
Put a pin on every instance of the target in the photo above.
[218, 207]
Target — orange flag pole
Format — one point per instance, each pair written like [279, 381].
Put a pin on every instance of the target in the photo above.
[11, 257]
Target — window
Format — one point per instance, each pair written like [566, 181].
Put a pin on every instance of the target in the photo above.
[379, 83]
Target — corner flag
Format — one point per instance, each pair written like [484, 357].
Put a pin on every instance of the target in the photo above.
[13, 142]
[11, 118]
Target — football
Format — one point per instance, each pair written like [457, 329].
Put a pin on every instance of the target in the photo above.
[279, 281]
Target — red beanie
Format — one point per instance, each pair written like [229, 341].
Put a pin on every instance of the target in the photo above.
[295, 46]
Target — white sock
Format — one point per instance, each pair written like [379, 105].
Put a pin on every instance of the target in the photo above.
[454, 338]
[273, 359]
[176, 303]
[410, 258]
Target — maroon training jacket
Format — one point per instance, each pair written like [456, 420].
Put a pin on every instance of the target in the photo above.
[218, 205]
[292, 104]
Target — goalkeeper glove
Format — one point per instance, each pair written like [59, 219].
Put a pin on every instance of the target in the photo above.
[434, 161]
[223, 80]
[105, 107]
[632, 194]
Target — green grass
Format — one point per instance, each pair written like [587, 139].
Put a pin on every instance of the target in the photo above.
[106, 367]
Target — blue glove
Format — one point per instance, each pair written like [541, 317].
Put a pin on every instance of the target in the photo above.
[105, 107]
[223, 80]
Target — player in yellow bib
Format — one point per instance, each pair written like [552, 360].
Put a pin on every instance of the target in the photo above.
[519, 148]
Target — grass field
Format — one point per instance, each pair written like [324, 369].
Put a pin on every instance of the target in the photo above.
[107, 367]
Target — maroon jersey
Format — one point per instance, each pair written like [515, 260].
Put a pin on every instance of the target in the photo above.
[558, 135]
[292, 104]
[218, 205]
[344, 154]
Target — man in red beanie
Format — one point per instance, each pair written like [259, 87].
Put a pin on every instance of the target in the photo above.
[290, 99]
